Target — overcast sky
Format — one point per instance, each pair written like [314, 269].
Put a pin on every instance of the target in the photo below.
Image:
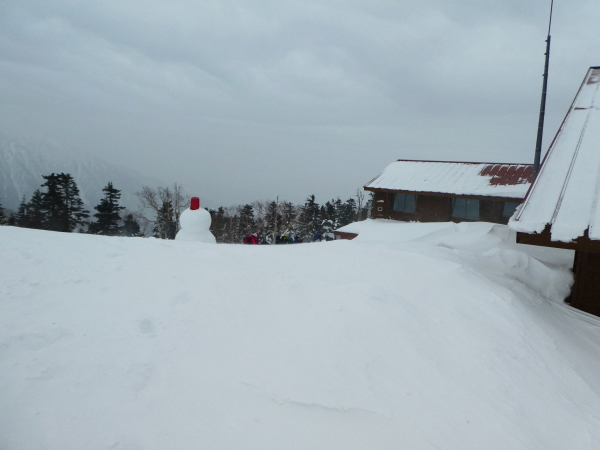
[249, 100]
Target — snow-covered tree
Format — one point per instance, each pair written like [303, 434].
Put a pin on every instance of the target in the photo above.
[310, 220]
[165, 224]
[246, 223]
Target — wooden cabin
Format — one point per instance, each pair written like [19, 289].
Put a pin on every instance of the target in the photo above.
[442, 191]
[562, 208]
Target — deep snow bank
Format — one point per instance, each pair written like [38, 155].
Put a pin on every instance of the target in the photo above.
[451, 338]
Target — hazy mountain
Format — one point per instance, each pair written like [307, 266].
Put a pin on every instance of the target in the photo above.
[24, 161]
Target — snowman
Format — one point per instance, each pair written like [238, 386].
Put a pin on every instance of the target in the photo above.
[195, 224]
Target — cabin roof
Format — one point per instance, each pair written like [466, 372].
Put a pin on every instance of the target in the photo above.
[565, 194]
[456, 178]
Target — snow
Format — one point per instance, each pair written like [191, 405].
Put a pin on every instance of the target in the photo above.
[417, 336]
[445, 177]
[566, 192]
[386, 230]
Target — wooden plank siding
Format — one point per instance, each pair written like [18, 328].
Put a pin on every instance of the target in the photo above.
[431, 207]
[586, 289]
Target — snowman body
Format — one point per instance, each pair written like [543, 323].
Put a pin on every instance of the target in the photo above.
[195, 226]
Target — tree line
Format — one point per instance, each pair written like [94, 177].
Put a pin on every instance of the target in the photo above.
[278, 221]
[57, 206]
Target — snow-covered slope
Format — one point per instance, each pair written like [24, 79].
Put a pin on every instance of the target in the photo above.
[23, 162]
[439, 338]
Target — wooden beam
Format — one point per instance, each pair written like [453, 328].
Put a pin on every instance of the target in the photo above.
[543, 239]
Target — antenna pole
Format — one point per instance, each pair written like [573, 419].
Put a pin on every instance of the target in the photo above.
[540, 133]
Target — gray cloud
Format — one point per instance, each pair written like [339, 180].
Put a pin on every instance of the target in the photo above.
[246, 100]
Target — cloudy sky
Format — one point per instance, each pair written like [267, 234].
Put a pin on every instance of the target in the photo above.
[247, 100]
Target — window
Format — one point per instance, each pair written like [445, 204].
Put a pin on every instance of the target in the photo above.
[509, 209]
[465, 208]
[405, 203]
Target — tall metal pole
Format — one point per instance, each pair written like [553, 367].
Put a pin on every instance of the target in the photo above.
[540, 133]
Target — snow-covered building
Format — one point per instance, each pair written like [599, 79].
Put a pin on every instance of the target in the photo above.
[562, 207]
[442, 191]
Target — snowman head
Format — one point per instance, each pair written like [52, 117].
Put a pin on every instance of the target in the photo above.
[195, 220]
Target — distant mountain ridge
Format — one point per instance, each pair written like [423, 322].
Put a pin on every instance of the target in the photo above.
[24, 161]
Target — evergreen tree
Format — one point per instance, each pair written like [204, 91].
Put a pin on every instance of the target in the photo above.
[108, 215]
[22, 218]
[11, 219]
[131, 227]
[74, 213]
[246, 223]
[348, 212]
[166, 224]
[62, 208]
[35, 217]
[339, 212]
[52, 204]
[310, 219]
[329, 218]
[236, 236]
[289, 219]
[273, 222]
[3, 217]
[220, 225]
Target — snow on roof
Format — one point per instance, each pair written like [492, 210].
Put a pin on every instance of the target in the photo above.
[566, 191]
[459, 178]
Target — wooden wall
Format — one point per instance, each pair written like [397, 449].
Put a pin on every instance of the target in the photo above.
[434, 208]
[586, 289]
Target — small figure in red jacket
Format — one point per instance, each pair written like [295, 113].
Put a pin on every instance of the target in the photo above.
[252, 239]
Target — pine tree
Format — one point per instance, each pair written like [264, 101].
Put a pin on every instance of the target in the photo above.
[62, 208]
[348, 212]
[108, 215]
[220, 225]
[52, 203]
[3, 217]
[273, 221]
[11, 219]
[246, 224]
[74, 213]
[289, 219]
[22, 214]
[310, 219]
[166, 224]
[329, 219]
[131, 227]
[35, 217]
[236, 236]
[339, 212]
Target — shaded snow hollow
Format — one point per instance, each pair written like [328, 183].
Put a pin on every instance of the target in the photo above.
[411, 336]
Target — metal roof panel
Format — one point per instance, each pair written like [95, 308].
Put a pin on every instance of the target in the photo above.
[565, 194]
[458, 178]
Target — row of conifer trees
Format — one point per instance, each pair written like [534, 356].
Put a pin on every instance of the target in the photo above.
[57, 206]
[277, 221]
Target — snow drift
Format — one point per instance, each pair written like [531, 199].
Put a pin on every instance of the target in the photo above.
[416, 337]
